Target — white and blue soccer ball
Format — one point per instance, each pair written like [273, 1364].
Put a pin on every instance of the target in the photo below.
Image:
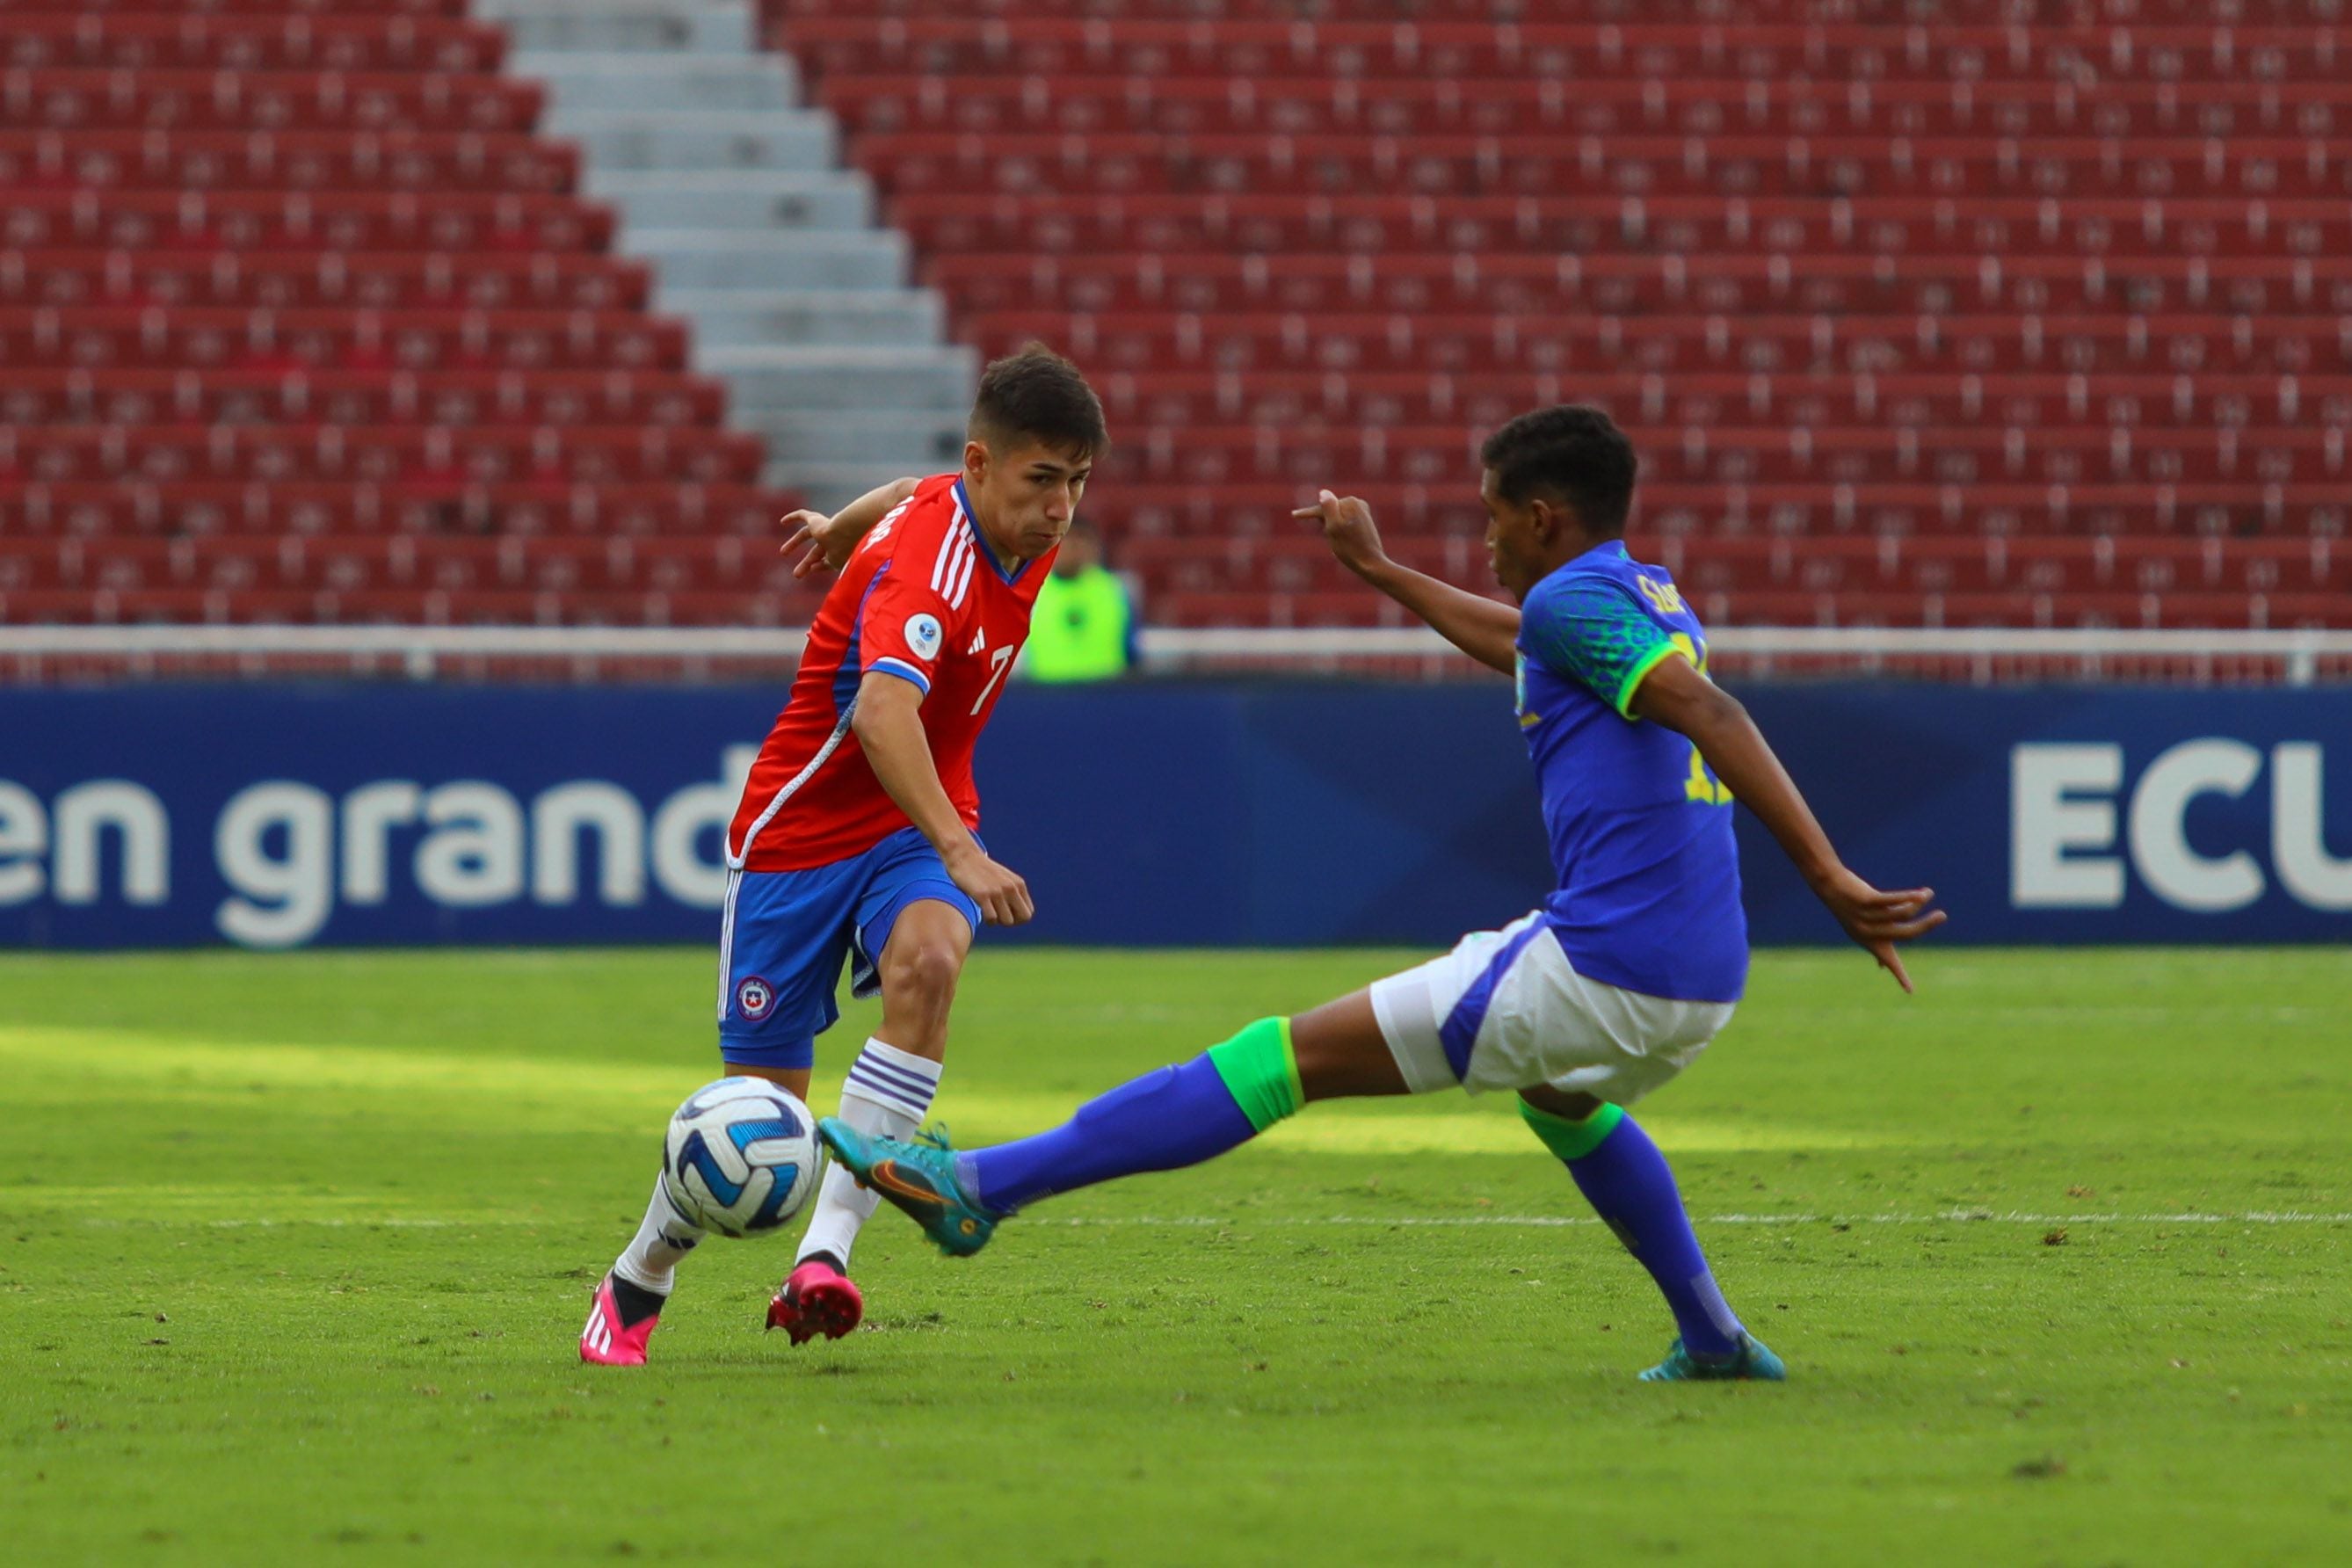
[741, 1157]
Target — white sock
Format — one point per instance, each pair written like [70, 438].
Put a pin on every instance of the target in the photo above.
[888, 1091]
[663, 1237]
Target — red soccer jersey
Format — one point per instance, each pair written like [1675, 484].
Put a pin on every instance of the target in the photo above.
[924, 597]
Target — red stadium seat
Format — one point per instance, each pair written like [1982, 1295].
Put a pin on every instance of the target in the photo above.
[436, 505]
[1934, 284]
[337, 161]
[94, 337]
[269, 8]
[315, 280]
[361, 397]
[340, 41]
[1044, 46]
[301, 325]
[1445, 166]
[1210, 106]
[384, 455]
[1604, 223]
[299, 220]
[298, 101]
[1971, 12]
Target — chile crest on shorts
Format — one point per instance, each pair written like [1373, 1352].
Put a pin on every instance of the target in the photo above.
[753, 997]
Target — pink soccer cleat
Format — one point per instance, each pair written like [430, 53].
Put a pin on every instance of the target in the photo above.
[818, 1298]
[604, 1342]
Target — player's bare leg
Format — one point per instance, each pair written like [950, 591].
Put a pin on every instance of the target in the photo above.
[888, 1093]
[1341, 1053]
[793, 1079]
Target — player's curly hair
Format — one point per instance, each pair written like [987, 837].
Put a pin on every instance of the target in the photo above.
[1573, 453]
[1039, 395]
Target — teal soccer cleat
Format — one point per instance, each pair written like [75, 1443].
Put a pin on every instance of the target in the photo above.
[919, 1180]
[1752, 1363]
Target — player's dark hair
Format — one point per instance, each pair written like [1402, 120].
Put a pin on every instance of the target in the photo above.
[1038, 394]
[1571, 453]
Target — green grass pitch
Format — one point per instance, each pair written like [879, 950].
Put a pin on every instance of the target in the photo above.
[294, 1252]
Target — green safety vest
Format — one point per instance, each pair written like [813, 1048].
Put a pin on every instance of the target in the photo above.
[1079, 630]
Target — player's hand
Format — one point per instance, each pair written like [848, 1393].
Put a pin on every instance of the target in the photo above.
[1878, 920]
[999, 890]
[1348, 529]
[825, 547]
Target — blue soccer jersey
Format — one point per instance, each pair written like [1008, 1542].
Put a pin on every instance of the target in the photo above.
[1641, 832]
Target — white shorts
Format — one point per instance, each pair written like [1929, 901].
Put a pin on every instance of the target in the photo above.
[1507, 1010]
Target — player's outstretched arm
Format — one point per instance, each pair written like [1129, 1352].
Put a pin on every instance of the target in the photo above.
[829, 540]
[889, 730]
[1677, 695]
[1486, 630]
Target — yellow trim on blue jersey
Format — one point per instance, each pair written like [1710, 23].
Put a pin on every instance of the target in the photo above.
[1650, 661]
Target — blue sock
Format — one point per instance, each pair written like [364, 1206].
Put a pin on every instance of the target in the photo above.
[1628, 1182]
[1163, 1120]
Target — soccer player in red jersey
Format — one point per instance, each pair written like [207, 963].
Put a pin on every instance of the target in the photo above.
[855, 839]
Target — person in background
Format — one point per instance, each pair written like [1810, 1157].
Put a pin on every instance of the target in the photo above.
[1084, 627]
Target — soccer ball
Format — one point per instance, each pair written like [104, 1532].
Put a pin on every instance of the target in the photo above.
[741, 1157]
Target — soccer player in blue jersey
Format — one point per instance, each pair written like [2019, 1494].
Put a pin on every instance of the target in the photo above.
[1582, 1006]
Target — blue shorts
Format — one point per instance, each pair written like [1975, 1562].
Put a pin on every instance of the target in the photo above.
[785, 934]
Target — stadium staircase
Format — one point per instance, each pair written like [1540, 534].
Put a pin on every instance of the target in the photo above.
[735, 196]
[2039, 315]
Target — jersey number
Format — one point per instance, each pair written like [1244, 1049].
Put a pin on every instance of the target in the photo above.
[1001, 661]
[1702, 786]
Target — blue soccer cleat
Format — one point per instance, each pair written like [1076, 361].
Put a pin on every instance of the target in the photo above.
[919, 1180]
[1753, 1361]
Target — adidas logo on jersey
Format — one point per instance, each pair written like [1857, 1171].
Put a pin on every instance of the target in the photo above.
[979, 640]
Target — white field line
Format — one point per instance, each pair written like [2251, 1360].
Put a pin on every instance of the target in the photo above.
[1442, 1222]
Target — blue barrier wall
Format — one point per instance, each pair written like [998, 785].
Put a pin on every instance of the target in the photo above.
[1187, 813]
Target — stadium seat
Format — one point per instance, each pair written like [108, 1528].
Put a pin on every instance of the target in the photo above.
[1196, 106]
[322, 279]
[92, 337]
[346, 38]
[33, 398]
[81, 100]
[960, 44]
[1934, 284]
[249, 221]
[338, 161]
[452, 504]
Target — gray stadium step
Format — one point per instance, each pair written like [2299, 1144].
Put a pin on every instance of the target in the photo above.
[649, 24]
[913, 381]
[699, 139]
[711, 81]
[757, 233]
[735, 198]
[753, 259]
[881, 318]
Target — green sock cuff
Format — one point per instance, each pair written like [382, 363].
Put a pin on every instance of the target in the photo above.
[1572, 1140]
[1260, 1072]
